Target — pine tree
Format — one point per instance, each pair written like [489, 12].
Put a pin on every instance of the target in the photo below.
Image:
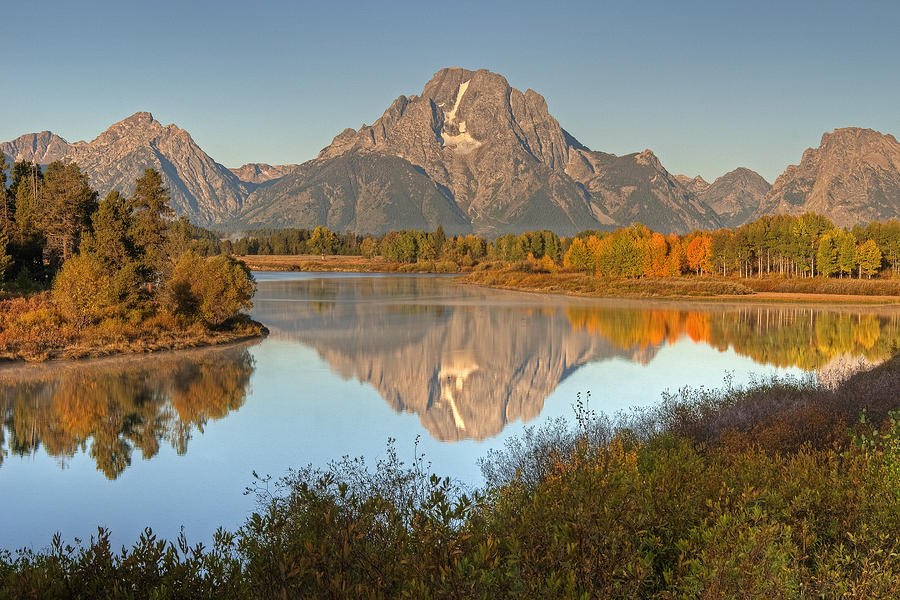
[66, 205]
[6, 260]
[151, 214]
[6, 209]
[109, 238]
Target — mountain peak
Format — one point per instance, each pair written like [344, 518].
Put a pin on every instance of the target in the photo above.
[648, 158]
[43, 147]
[140, 118]
[852, 177]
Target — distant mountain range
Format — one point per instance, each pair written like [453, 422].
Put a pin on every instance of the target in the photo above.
[477, 156]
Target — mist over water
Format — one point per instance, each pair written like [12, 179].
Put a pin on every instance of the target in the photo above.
[353, 360]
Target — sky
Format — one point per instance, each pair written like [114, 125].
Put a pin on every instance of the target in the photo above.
[708, 86]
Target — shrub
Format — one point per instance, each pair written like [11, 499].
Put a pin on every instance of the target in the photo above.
[212, 289]
[83, 290]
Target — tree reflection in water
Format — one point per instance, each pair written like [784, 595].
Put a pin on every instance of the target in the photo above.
[109, 408]
[468, 361]
[782, 336]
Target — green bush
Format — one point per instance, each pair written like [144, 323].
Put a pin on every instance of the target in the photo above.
[83, 290]
[210, 289]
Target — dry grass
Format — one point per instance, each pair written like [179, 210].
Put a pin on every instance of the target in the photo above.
[32, 329]
[349, 264]
[579, 284]
[822, 285]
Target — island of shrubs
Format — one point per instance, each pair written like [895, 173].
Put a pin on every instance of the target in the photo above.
[86, 278]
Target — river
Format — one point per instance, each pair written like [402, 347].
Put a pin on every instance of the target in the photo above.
[352, 361]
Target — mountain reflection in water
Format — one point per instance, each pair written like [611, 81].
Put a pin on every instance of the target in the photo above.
[468, 361]
[111, 407]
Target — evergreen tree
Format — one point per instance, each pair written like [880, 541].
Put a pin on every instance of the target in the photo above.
[27, 184]
[6, 260]
[109, 239]
[151, 214]
[66, 205]
[6, 207]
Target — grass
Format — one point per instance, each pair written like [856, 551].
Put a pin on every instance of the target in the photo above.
[580, 284]
[350, 264]
[823, 285]
[531, 276]
[525, 277]
[32, 329]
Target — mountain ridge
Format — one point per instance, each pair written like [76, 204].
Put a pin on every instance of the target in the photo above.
[475, 155]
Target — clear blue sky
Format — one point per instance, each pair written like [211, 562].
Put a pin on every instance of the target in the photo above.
[708, 86]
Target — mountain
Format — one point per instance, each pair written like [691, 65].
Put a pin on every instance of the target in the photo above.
[694, 185]
[481, 157]
[475, 155]
[736, 196]
[43, 147]
[259, 173]
[852, 177]
[636, 187]
[201, 189]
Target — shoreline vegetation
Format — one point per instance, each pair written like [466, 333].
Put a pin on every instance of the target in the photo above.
[779, 258]
[531, 277]
[783, 489]
[84, 278]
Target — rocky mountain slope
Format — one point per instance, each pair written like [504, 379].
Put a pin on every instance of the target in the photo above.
[259, 173]
[44, 148]
[485, 158]
[852, 177]
[736, 196]
[201, 189]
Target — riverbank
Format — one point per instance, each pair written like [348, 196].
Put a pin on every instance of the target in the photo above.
[344, 264]
[32, 330]
[533, 279]
[709, 287]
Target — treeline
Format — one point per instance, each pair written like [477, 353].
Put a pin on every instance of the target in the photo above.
[398, 246]
[803, 246]
[116, 263]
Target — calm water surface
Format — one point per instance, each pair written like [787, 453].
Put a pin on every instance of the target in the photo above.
[353, 361]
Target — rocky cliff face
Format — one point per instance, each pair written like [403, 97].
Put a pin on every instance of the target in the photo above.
[489, 157]
[852, 177]
[736, 196]
[201, 189]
